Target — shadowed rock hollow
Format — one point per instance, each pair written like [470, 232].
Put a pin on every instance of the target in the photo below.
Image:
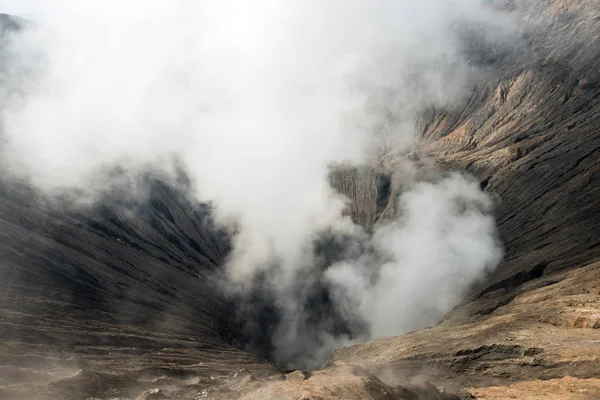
[122, 298]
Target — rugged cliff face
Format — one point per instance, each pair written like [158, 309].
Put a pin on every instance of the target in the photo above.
[123, 297]
[531, 137]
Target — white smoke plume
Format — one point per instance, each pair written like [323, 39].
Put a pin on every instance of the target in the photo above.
[257, 99]
[440, 242]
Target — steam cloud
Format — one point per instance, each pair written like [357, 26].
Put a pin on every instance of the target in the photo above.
[257, 99]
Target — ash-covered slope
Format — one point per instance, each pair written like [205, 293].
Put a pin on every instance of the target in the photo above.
[531, 135]
[119, 287]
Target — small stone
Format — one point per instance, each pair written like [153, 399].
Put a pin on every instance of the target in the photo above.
[162, 378]
[242, 373]
[307, 396]
[240, 379]
[296, 376]
[465, 395]
[151, 394]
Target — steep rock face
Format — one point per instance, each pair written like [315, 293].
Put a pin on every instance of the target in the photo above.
[529, 132]
[531, 136]
[533, 141]
[124, 287]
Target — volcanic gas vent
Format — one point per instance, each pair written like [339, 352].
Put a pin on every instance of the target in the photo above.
[266, 324]
[360, 279]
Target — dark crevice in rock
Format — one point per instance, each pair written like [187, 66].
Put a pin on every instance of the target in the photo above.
[502, 303]
[384, 189]
[516, 280]
[484, 184]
